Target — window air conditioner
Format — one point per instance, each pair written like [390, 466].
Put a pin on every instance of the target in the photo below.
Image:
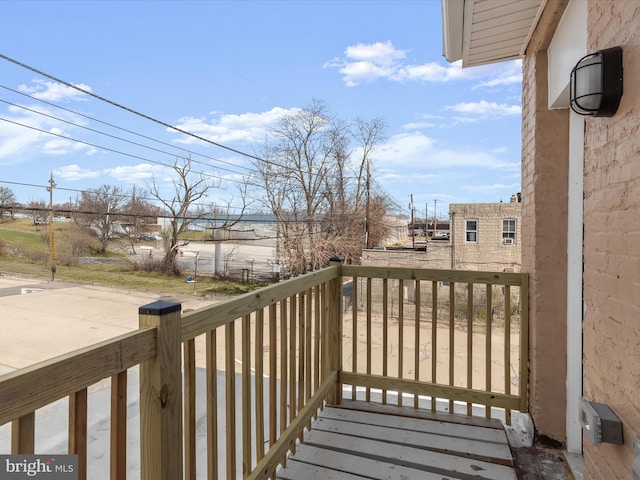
[508, 241]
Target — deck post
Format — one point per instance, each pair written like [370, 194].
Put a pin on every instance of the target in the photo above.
[334, 334]
[161, 395]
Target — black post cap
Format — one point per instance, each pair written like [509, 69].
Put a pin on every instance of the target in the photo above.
[159, 307]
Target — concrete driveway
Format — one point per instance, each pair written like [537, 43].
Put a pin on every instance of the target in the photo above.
[40, 319]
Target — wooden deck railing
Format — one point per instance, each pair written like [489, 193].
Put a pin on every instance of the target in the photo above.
[270, 359]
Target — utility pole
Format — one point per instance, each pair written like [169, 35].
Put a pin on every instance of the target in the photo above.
[52, 242]
[368, 206]
[435, 218]
[413, 237]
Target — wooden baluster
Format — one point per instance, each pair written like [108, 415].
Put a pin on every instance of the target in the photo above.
[230, 391]
[189, 352]
[488, 344]
[469, 343]
[118, 448]
[259, 383]
[247, 437]
[23, 435]
[212, 404]
[434, 339]
[417, 341]
[78, 430]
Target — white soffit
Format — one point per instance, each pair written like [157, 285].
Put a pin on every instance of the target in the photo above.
[488, 31]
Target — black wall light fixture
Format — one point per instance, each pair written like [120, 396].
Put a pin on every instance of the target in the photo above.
[596, 83]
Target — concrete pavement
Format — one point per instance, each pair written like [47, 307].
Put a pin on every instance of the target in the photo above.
[40, 319]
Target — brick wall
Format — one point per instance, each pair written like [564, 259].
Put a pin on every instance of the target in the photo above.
[612, 244]
[437, 255]
[489, 252]
[545, 137]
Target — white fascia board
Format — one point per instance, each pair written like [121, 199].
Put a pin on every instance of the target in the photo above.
[452, 29]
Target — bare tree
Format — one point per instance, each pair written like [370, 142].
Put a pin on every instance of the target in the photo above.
[38, 211]
[184, 208]
[137, 214]
[7, 202]
[99, 210]
[220, 216]
[310, 184]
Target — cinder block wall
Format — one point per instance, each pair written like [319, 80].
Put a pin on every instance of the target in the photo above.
[436, 256]
[489, 252]
[612, 244]
[545, 156]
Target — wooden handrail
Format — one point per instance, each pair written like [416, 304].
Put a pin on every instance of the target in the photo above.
[480, 397]
[45, 382]
[457, 276]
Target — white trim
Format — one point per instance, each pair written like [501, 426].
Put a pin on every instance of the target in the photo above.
[574, 281]
[467, 230]
[568, 46]
[575, 20]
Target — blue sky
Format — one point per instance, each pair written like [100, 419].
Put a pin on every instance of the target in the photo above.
[227, 70]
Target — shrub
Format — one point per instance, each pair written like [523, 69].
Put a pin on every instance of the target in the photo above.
[146, 263]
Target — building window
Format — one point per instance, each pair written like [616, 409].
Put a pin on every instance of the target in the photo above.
[509, 230]
[471, 231]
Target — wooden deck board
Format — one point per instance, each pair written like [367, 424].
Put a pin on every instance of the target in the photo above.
[304, 471]
[384, 445]
[438, 427]
[464, 447]
[345, 466]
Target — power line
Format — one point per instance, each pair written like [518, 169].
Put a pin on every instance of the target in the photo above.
[251, 171]
[137, 157]
[127, 109]
[122, 195]
[137, 113]
[142, 115]
[293, 214]
[108, 135]
[115, 126]
[293, 217]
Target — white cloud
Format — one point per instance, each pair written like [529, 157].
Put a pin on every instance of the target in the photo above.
[399, 177]
[247, 127]
[482, 110]
[417, 125]
[492, 188]
[54, 92]
[500, 81]
[502, 74]
[382, 53]
[367, 63]
[57, 144]
[122, 173]
[15, 141]
[21, 140]
[74, 172]
[415, 152]
[406, 149]
[134, 173]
